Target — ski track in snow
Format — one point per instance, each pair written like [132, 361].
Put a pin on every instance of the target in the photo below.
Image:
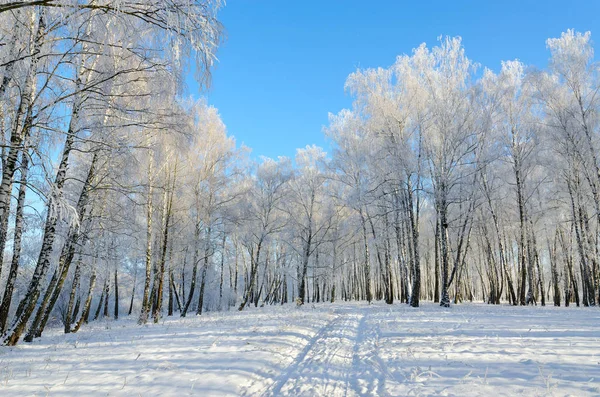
[340, 349]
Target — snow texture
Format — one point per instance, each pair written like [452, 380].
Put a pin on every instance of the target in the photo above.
[340, 349]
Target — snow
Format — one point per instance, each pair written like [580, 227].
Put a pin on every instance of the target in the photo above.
[340, 349]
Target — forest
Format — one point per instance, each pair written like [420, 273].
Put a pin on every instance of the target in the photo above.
[447, 181]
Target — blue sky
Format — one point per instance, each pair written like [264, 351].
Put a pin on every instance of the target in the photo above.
[284, 63]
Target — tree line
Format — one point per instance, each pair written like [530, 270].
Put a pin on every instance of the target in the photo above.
[446, 182]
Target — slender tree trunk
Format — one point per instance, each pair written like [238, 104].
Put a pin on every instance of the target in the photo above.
[133, 291]
[106, 294]
[568, 259]
[182, 284]
[442, 212]
[222, 269]
[204, 270]
[388, 264]
[76, 309]
[436, 287]
[116, 311]
[253, 270]
[88, 304]
[554, 271]
[70, 312]
[536, 258]
[235, 278]
[170, 301]
[177, 300]
[367, 260]
[305, 259]
[414, 226]
[99, 307]
[523, 299]
[14, 265]
[149, 213]
[168, 203]
[194, 270]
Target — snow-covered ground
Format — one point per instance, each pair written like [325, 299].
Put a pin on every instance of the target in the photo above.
[336, 349]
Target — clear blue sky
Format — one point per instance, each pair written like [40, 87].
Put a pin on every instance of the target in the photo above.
[284, 63]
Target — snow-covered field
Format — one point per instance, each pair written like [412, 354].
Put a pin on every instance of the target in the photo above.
[320, 350]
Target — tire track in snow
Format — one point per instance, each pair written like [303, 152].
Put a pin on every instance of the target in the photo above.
[368, 369]
[325, 365]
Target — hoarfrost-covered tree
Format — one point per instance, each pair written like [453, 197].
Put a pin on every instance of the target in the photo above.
[84, 60]
[450, 135]
[263, 214]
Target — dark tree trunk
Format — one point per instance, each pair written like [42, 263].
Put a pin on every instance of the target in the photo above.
[170, 301]
[194, 270]
[436, 286]
[305, 259]
[168, 197]
[88, 304]
[253, 271]
[207, 253]
[99, 308]
[132, 292]
[367, 261]
[414, 227]
[70, 312]
[442, 212]
[116, 314]
[222, 269]
[177, 300]
[106, 295]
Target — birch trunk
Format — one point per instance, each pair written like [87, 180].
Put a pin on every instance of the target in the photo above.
[28, 303]
[88, 304]
[20, 130]
[523, 298]
[116, 307]
[367, 259]
[70, 312]
[145, 311]
[194, 270]
[14, 265]
[442, 212]
[66, 257]
[253, 270]
[204, 270]
[168, 203]
[414, 226]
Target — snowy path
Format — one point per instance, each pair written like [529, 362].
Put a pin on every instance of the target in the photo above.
[322, 350]
[323, 366]
[336, 361]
